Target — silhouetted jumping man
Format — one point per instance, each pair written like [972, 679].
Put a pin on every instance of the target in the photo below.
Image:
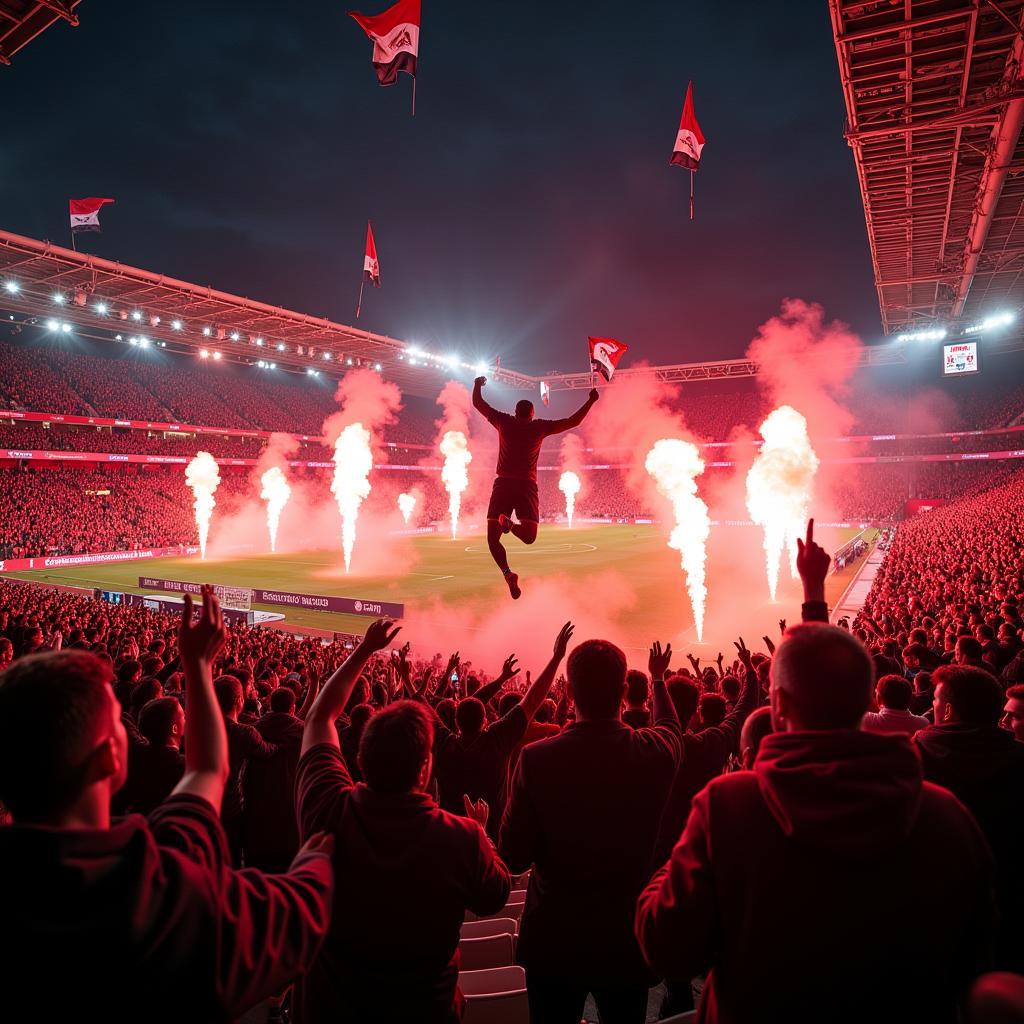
[515, 486]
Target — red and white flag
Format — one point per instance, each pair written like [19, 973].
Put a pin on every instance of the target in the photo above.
[605, 354]
[371, 267]
[545, 393]
[395, 34]
[85, 214]
[689, 139]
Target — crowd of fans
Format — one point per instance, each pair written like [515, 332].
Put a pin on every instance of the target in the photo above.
[208, 818]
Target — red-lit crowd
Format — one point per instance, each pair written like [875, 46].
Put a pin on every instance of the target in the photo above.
[822, 825]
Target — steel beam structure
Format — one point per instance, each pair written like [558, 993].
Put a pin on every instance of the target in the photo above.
[22, 20]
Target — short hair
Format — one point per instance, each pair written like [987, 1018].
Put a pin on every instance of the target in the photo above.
[145, 690]
[129, 670]
[969, 647]
[524, 408]
[638, 686]
[755, 728]
[827, 673]
[923, 681]
[730, 687]
[685, 695]
[446, 712]
[470, 716]
[229, 693]
[51, 709]
[712, 709]
[508, 702]
[974, 694]
[157, 718]
[547, 711]
[1015, 692]
[283, 700]
[394, 745]
[895, 693]
[359, 716]
[152, 664]
[597, 674]
[915, 650]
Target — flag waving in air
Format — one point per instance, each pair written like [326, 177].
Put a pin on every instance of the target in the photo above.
[395, 34]
[371, 267]
[689, 141]
[85, 214]
[545, 393]
[605, 354]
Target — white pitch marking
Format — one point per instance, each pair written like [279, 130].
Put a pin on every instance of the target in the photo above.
[530, 549]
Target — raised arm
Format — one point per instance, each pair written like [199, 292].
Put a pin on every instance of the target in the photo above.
[560, 426]
[490, 690]
[539, 690]
[480, 403]
[812, 562]
[206, 742]
[331, 700]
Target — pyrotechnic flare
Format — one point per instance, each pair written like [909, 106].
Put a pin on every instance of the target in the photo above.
[569, 485]
[276, 492]
[455, 472]
[406, 503]
[203, 476]
[675, 466]
[353, 461]
[779, 487]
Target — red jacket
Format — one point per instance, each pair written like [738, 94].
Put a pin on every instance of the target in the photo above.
[829, 883]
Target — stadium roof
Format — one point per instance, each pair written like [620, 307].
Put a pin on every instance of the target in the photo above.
[22, 20]
[934, 93]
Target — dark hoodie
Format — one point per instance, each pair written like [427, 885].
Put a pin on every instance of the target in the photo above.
[406, 873]
[984, 768]
[146, 921]
[829, 875]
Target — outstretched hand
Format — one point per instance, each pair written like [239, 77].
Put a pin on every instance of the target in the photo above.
[658, 660]
[478, 811]
[379, 635]
[562, 641]
[741, 650]
[812, 562]
[510, 668]
[199, 643]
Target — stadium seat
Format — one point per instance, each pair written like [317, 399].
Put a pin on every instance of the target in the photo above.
[488, 926]
[484, 953]
[496, 996]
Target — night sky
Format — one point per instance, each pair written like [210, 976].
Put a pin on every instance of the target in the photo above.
[528, 204]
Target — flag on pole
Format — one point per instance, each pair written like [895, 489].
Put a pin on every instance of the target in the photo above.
[545, 393]
[395, 34]
[605, 354]
[85, 214]
[371, 267]
[689, 141]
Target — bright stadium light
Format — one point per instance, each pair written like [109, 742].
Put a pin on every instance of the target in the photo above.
[925, 334]
[133, 340]
[175, 325]
[101, 308]
[377, 367]
[259, 341]
[280, 346]
[12, 286]
[262, 365]
[216, 356]
[480, 367]
[273, 366]
[66, 328]
[327, 355]
[52, 325]
[136, 315]
[234, 335]
[204, 354]
[143, 342]
[348, 362]
[452, 361]
[206, 332]
[58, 298]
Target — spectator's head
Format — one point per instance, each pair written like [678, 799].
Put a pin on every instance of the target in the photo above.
[822, 678]
[894, 692]
[6, 652]
[162, 722]
[282, 700]
[361, 714]
[965, 695]
[597, 679]
[638, 688]
[712, 709]
[446, 712]
[685, 694]
[968, 651]
[524, 409]
[230, 696]
[508, 702]
[730, 687]
[470, 716]
[63, 749]
[923, 682]
[1013, 712]
[755, 728]
[394, 751]
[143, 692]
[129, 671]
[912, 655]
[546, 712]
[31, 639]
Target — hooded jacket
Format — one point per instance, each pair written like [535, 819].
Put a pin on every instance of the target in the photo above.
[830, 874]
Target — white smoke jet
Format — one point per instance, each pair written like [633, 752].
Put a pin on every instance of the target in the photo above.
[353, 460]
[779, 487]
[675, 465]
[455, 471]
[569, 485]
[203, 475]
[276, 492]
[406, 504]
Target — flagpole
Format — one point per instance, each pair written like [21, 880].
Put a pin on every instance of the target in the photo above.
[413, 95]
[691, 193]
[73, 243]
[359, 304]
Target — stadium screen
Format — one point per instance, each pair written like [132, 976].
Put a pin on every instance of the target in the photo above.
[959, 359]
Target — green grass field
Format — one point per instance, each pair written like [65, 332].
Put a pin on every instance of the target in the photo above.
[589, 561]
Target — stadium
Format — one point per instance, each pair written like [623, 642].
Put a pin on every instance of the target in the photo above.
[316, 569]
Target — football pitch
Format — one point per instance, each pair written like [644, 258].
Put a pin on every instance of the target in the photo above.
[628, 570]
